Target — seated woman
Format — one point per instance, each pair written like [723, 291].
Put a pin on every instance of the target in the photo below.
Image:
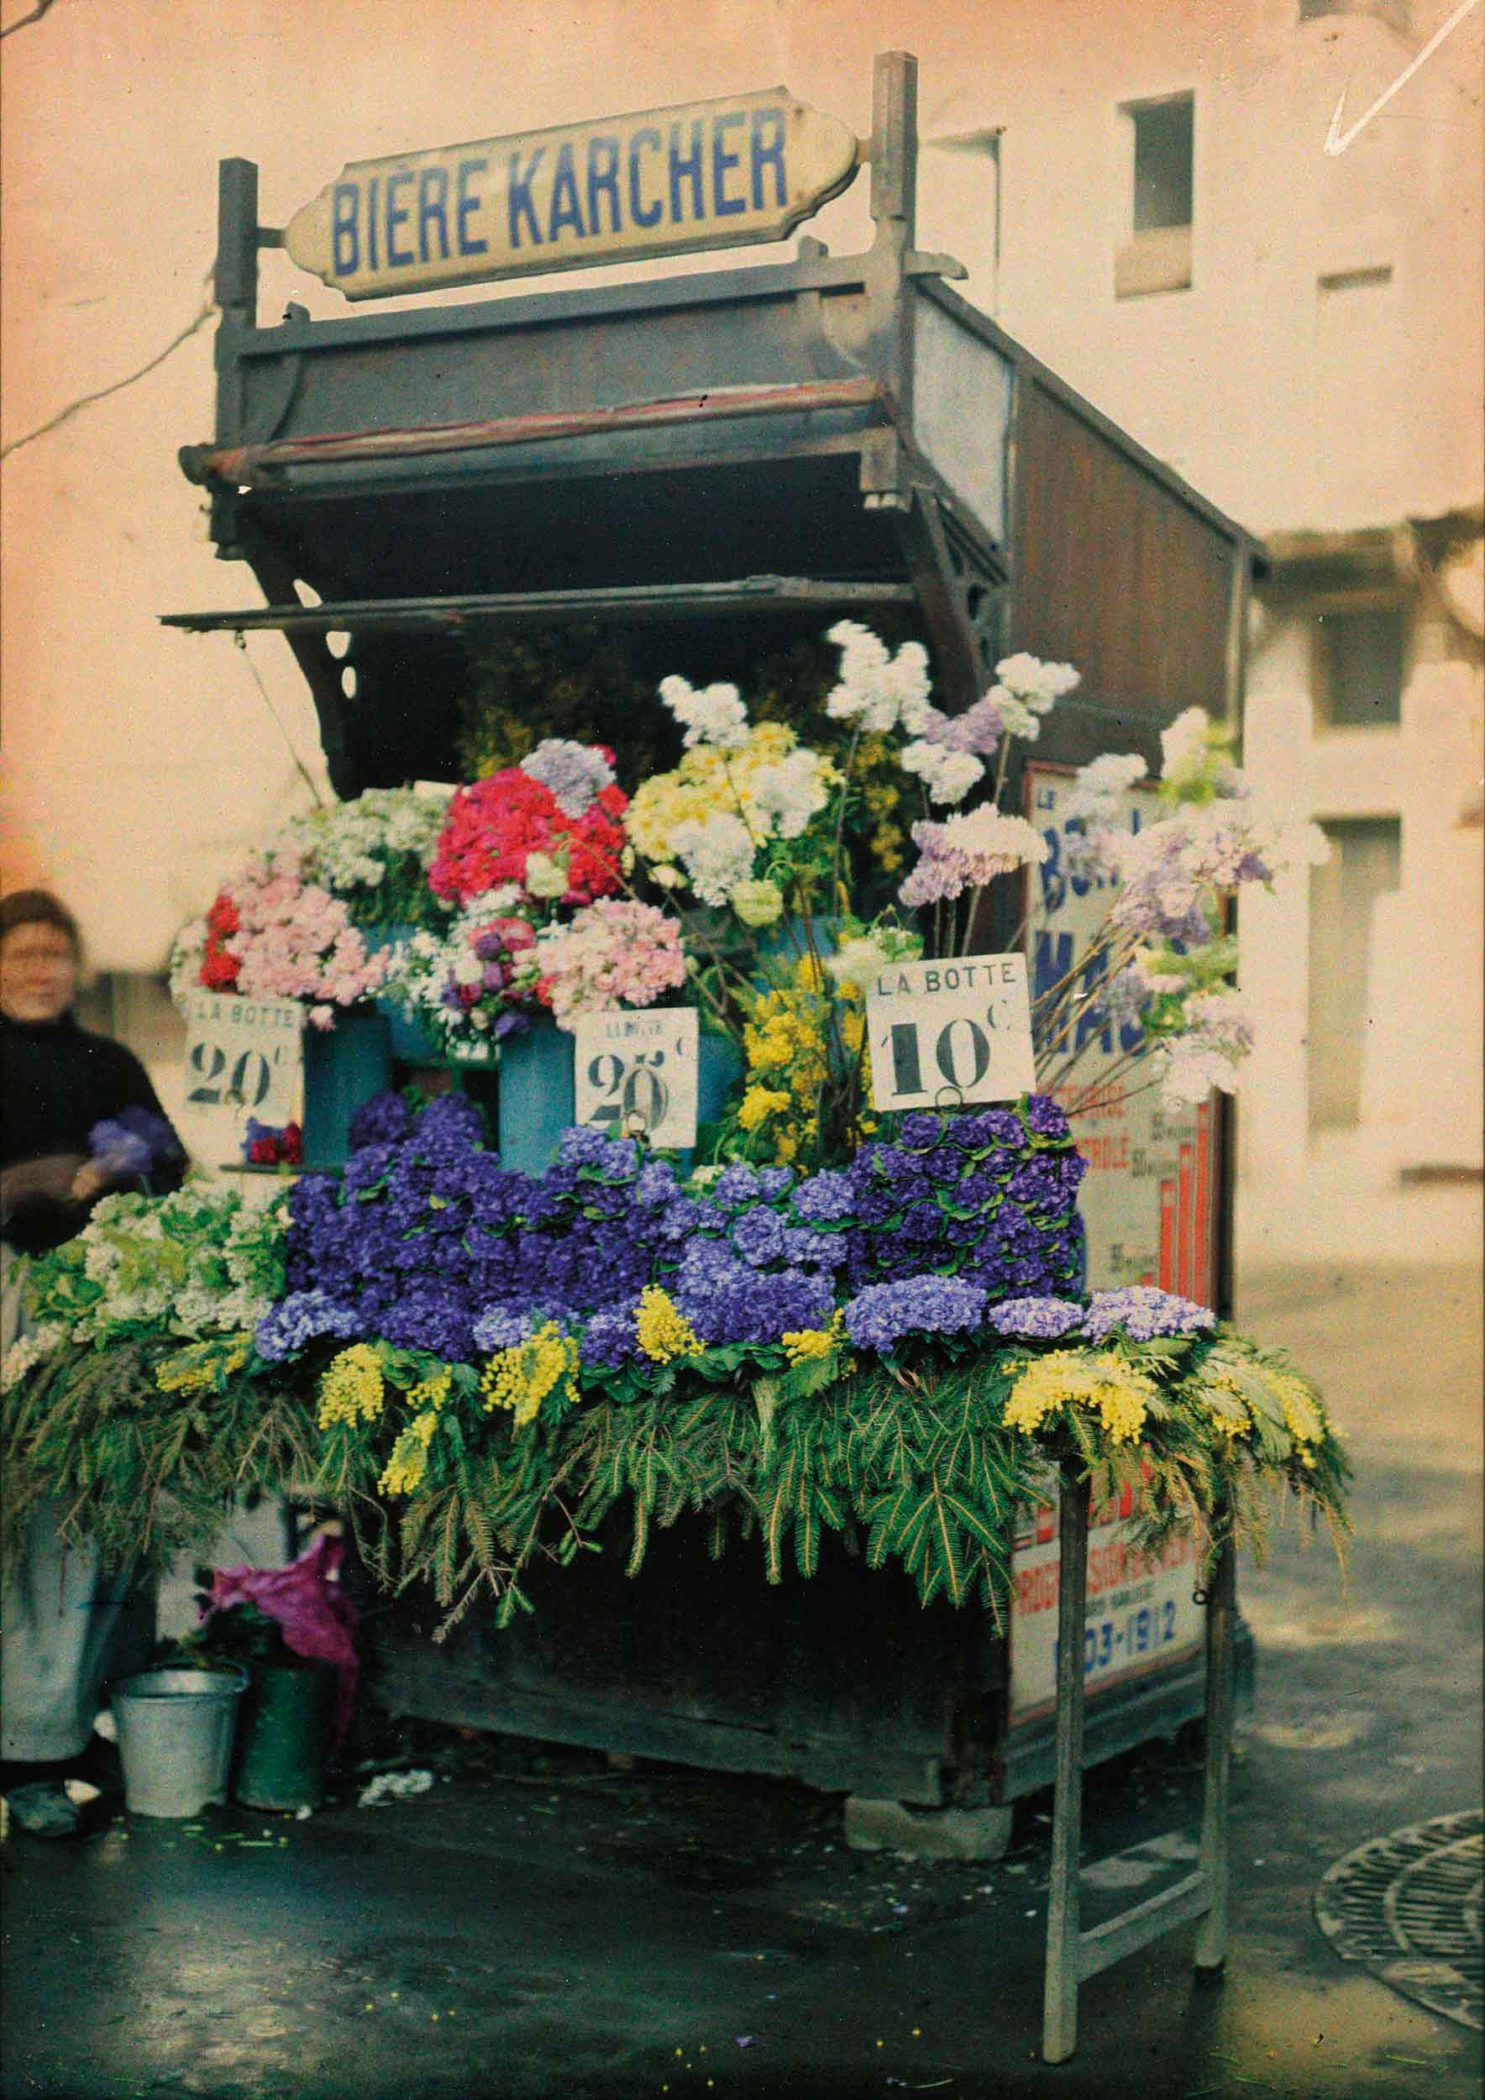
[78, 1118]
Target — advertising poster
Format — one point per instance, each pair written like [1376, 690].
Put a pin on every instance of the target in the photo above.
[1149, 1204]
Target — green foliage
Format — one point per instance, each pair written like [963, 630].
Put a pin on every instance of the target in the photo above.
[908, 1460]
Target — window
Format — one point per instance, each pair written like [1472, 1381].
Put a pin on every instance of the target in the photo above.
[1160, 139]
[1360, 655]
[1365, 862]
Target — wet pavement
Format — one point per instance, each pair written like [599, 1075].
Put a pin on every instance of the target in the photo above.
[539, 1924]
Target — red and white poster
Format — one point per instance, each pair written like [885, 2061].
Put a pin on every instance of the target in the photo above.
[1142, 1612]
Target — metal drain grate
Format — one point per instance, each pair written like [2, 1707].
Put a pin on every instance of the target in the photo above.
[1408, 1906]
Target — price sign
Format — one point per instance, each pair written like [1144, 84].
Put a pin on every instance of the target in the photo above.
[943, 1033]
[636, 1074]
[242, 1055]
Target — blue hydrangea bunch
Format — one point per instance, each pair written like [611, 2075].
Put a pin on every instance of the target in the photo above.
[429, 1242]
[987, 1195]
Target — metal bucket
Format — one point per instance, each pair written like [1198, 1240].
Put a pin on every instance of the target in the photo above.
[175, 1737]
[283, 1735]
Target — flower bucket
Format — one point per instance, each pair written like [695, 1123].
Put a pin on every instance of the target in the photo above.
[283, 1735]
[790, 939]
[411, 1042]
[719, 1066]
[343, 1066]
[175, 1737]
[536, 1100]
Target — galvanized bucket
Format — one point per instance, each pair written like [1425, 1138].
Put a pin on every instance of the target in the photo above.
[175, 1737]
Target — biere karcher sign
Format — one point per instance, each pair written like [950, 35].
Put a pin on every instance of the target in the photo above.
[660, 182]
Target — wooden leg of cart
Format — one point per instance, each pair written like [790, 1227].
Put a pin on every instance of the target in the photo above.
[1060, 1983]
[1211, 1940]
[1073, 1955]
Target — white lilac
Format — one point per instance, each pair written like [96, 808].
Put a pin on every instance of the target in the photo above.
[1040, 685]
[1093, 799]
[717, 854]
[1219, 1036]
[992, 844]
[1015, 716]
[947, 774]
[714, 716]
[878, 691]
[790, 792]
[576, 773]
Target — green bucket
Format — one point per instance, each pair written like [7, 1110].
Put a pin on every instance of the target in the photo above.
[283, 1735]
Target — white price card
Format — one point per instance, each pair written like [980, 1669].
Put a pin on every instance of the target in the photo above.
[945, 1033]
[242, 1055]
[636, 1074]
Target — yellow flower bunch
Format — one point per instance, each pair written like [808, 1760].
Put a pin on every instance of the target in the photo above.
[664, 1331]
[1108, 1387]
[707, 781]
[786, 1047]
[1226, 1403]
[804, 1345]
[352, 1388]
[431, 1392]
[521, 1378]
[200, 1367]
[881, 797]
[408, 1463]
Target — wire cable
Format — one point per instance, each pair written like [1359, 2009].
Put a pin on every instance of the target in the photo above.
[208, 307]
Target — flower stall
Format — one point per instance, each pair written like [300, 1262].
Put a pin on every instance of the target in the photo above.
[764, 1195]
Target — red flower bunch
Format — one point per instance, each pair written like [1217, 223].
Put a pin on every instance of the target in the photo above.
[494, 827]
[219, 966]
[266, 1147]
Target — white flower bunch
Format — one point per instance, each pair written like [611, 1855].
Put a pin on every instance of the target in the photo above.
[351, 847]
[30, 1349]
[198, 1263]
[947, 774]
[788, 794]
[1218, 1036]
[1025, 690]
[714, 716]
[1097, 787]
[716, 853]
[878, 691]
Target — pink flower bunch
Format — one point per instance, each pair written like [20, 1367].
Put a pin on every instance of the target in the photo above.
[614, 953]
[293, 940]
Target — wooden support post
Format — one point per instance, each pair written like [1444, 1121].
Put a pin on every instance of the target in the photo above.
[1060, 1984]
[1211, 1941]
[1072, 1954]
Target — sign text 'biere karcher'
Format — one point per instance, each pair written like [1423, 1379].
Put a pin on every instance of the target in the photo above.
[660, 182]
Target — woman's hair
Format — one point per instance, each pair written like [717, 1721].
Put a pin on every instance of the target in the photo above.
[38, 908]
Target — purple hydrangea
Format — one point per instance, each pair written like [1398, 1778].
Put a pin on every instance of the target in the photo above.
[303, 1317]
[759, 1237]
[135, 1141]
[385, 1119]
[1144, 1314]
[1036, 1319]
[735, 1186]
[610, 1338]
[884, 1313]
[1045, 1117]
[576, 773]
[826, 1198]
[501, 1327]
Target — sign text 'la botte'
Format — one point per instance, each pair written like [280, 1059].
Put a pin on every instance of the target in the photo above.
[659, 182]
